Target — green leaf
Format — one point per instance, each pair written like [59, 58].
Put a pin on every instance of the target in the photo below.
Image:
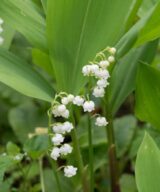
[19, 75]
[124, 75]
[98, 133]
[7, 34]
[148, 166]
[148, 95]
[42, 60]
[12, 149]
[76, 32]
[146, 5]
[44, 4]
[24, 17]
[124, 131]
[151, 30]
[5, 163]
[127, 183]
[37, 146]
[25, 118]
[129, 39]
[132, 15]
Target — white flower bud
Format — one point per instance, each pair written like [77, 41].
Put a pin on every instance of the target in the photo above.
[1, 40]
[101, 121]
[66, 149]
[102, 83]
[88, 106]
[111, 59]
[112, 50]
[104, 64]
[78, 101]
[64, 100]
[70, 171]
[98, 92]
[70, 97]
[57, 139]
[55, 153]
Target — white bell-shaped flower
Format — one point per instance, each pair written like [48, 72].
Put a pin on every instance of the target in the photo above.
[70, 171]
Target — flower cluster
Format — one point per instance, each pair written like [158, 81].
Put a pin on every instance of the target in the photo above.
[59, 129]
[1, 30]
[99, 70]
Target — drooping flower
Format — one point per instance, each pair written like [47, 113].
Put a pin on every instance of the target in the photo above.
[102, 74]
[78, 100]
[101, 121]
[98, 92]
[88, 106]
[57, 139]
[103, 64]
[70, 171]
[55, 153]
[67, 126]
[60, 111]
[112, 50]
[111, 59]
[66, 149]
[102, 83]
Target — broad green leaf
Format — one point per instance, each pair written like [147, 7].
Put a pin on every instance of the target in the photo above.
[7, 34]
[77, 30]
[37, 146]
[132, 15]
[148, 95]
[124, 75]
[24, 17]
[124, 131]
[127, 183]
[50, 184]
[25, 118]
[44, 4]
[5, 163]
[151, 30]
[148, 166]
[19, 75]
[129, 39]
[42, 60]
[146, 5]
[12, 149]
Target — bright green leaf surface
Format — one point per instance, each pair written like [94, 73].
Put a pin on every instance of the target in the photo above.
[25, 118]
[12, 149]
[77, 30]
[24, 17]
[124, 131]
[124, 75]
[5, 163]
[148, 95]
[42, 60]
[151, 30]
[19, 75]
[148, 166]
